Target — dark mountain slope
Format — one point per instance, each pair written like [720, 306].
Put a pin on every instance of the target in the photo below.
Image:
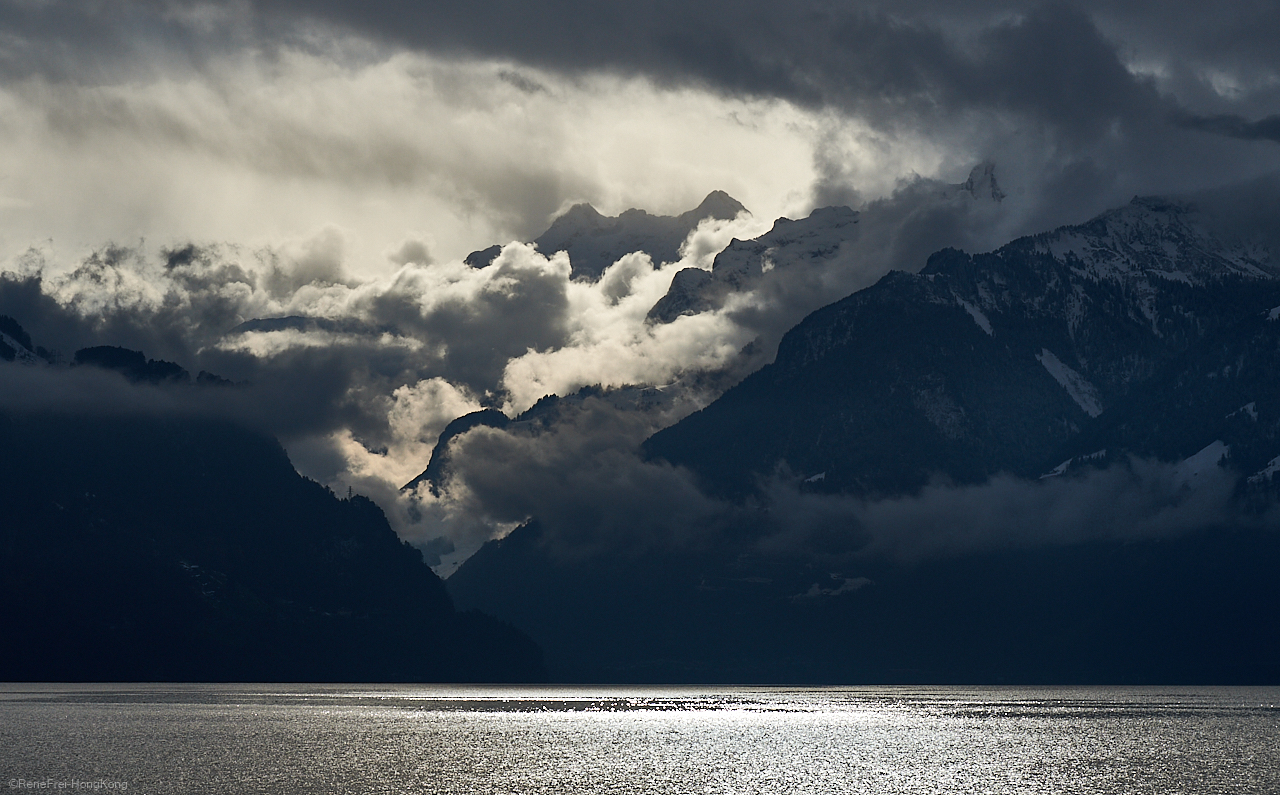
[184, 549]
[437, 467]
[921, 390]
[1203, 608]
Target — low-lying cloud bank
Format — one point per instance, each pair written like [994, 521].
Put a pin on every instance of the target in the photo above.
[1136, 500]
[593, 495]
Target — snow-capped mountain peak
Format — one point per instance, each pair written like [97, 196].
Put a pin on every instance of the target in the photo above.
[1153, 236]
[982, 184]
[595, 241]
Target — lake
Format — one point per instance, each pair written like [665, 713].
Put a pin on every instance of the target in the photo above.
[166, 738]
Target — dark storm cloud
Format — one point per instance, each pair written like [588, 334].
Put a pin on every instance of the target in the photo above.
[1245, 212]
[1057, 92]
[333, 352]
[1084, 103]
[896, 64]
[298, 392]
[103, 39]
[1050, 61]
[1238, 34]
[520, 308]
[121, 295]
[294, 398]
[1233, 126]
[51, 325]
[116, 297]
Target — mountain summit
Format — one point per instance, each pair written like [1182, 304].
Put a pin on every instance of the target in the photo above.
[982, 182]
[594, 241]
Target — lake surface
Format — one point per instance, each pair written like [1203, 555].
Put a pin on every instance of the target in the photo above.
[168, 738]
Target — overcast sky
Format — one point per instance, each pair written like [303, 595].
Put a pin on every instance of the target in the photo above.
[462, 124]
[338, 159]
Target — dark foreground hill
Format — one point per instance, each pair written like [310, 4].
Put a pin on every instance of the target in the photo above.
[143, 549]
[1202, 608]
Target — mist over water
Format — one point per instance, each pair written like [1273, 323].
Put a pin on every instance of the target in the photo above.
[458, 739]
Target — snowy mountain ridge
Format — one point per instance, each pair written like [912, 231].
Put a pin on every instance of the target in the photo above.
[1154, 236]
[1138, 332]
[595, 241]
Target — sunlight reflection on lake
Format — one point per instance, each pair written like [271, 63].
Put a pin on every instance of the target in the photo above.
[445, 739]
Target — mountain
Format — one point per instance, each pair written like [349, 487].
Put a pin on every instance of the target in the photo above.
[307, 324]
[437, 467]
[594, 241]
[176, 548]
[811, 240]
[139, 549]
[1012, 361]
[1202, 608]
[546, 413]
[900, 427]
[133, 365]
[15, 343]
[805, 248]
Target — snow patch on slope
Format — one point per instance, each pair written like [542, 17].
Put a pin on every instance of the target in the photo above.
[1204, 461]
[21, 353]
[977, 315]
[1062, 468]
[1081, 391]
[1250, 408]
[1264, 474]
[1174, 276]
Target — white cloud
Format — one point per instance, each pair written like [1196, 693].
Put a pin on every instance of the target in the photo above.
[417, 414]
[254, 150]
[611, 345]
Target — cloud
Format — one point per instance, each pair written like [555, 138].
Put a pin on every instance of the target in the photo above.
[610, 344]
[762, 45]
[460, 126]
[811, 51]
[578, 476]
[1233, 126]
[1132, 501]
[253, 148]
[774, 281]
[358, 377]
